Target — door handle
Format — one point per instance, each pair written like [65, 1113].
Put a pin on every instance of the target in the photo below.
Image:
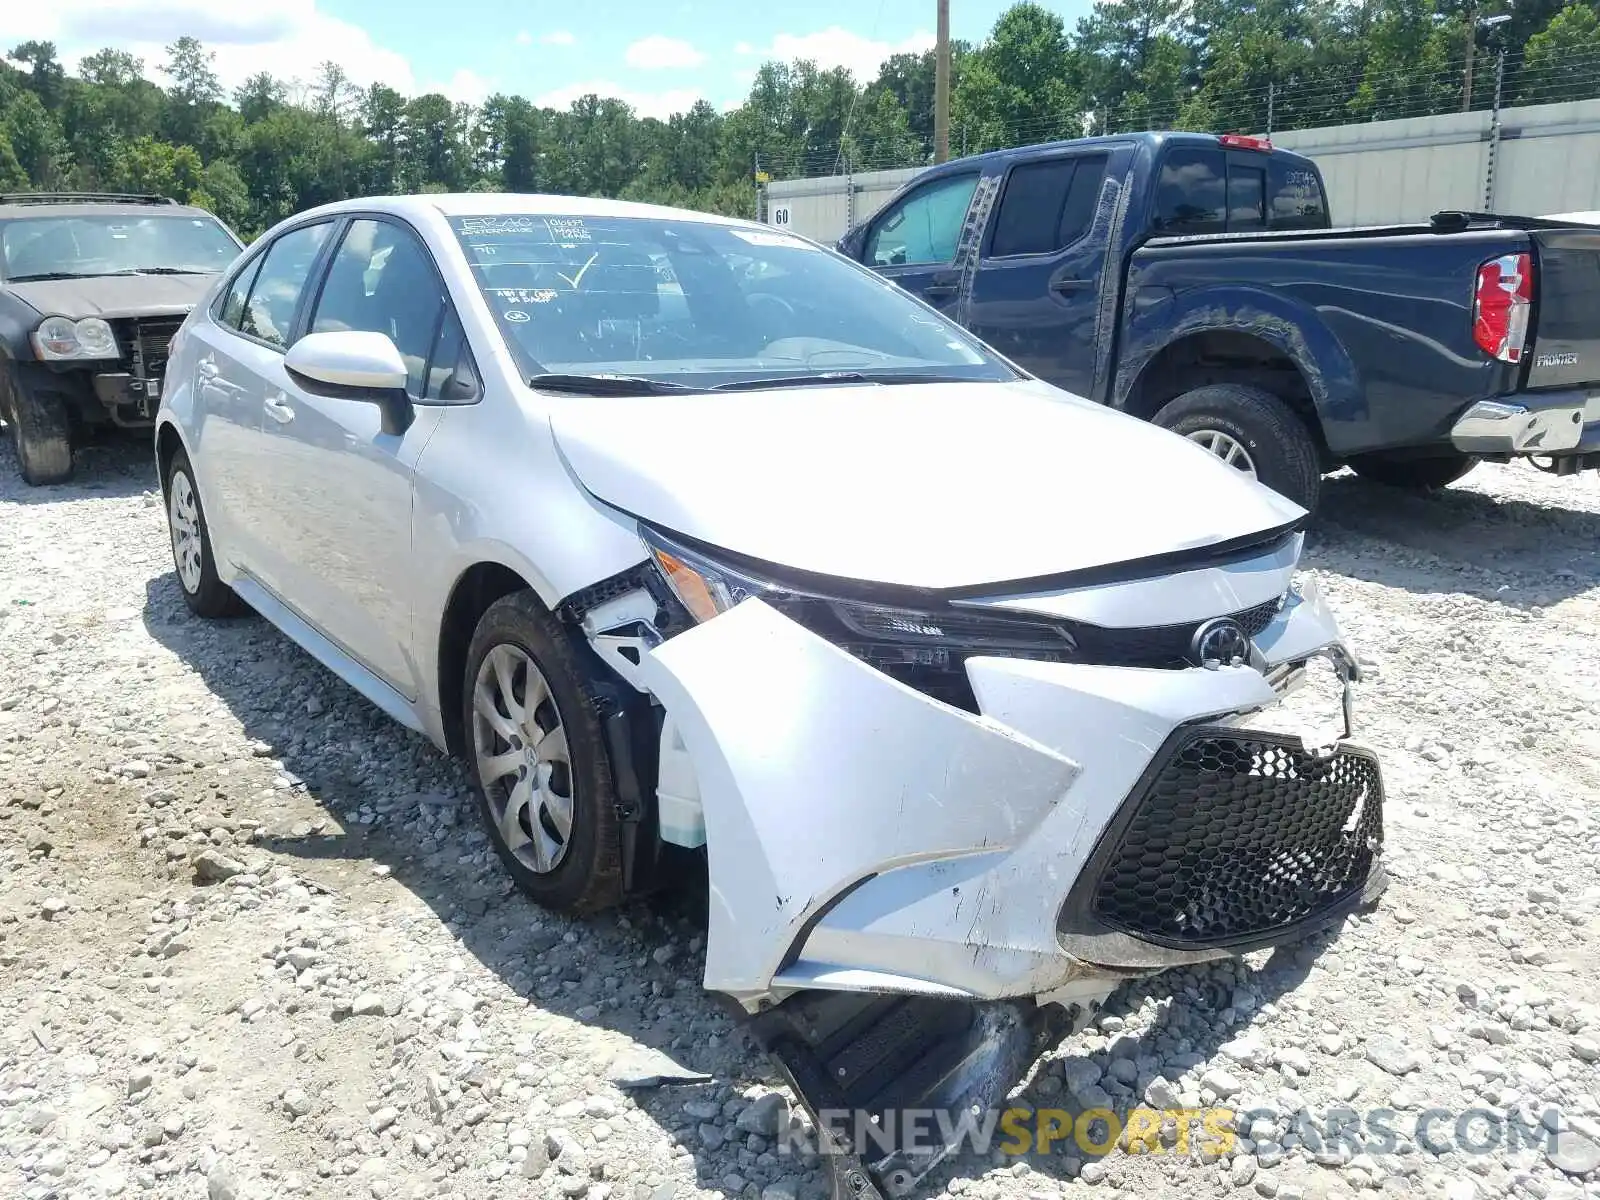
[207, 369]
[1074, 285]
[278, 410]
[940, 289]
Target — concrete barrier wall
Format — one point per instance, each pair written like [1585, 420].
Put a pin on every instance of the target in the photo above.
[1546, 160]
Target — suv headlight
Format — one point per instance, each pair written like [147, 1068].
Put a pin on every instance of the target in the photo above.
[59, 338]
[884, 635]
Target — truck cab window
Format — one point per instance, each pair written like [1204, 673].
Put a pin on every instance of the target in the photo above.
[1189, 194]
[924, 227]
[1047, 205]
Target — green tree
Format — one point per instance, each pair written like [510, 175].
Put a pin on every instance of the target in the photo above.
[1023, 84]
[35, 139]
[194, 90]
[1562, 58]
[259, 96]
[46, 77]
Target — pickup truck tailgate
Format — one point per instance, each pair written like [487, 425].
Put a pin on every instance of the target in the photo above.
[1566, 347]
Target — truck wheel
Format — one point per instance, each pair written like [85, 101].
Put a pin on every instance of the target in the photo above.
[538, 759]
[1253, 431]
[40, 431]
[1420, 474]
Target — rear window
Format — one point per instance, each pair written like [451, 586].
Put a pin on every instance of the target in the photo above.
[1047, 205]
[1297, 199]
[1201, 190]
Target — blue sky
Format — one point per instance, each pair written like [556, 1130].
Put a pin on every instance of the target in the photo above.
[660, 55]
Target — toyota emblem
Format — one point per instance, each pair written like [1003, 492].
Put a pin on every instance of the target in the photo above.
[1219, 642]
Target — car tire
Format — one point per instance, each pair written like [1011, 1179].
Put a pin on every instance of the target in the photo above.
[193, 558]
[1416, 474]
[40, 430]
[1231, 418]
[538, 760]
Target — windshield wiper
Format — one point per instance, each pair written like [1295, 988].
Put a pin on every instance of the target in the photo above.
[608, 385]
[40, 276]
[160, 271]
[827, 378]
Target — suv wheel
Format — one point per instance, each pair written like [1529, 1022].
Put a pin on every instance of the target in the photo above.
[192, 555]
[538, 760]
[1252, 431]
[40, 431]
[1421, 474]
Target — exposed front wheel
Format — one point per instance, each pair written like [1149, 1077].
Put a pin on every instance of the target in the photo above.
[1420, 474]
[1252, 431]
[192, 555]
[40, 430]
[538, 760]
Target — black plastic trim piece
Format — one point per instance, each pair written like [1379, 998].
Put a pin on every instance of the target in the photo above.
[1082, 933]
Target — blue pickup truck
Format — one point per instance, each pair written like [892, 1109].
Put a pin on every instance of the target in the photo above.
[1195, 281]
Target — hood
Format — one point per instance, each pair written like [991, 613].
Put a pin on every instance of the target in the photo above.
[114, 295]
[929, 486]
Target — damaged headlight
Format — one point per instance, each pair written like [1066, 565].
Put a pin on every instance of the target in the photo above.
[924, 647]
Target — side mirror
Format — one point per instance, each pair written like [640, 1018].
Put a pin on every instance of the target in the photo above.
[354, 365]
[850, 245]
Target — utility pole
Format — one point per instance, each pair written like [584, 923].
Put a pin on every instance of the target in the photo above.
[1472, 45]
[941, 86]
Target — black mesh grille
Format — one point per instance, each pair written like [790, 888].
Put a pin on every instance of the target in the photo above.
[1160, 645]
[1236, 835]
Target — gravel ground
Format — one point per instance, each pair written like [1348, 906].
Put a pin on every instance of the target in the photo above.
[254, 945]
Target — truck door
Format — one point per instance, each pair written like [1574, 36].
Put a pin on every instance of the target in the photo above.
[1036, 295]
[914, 240]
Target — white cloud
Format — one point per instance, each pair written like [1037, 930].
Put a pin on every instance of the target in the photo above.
[524, 38]
[837, 47]
[743, 48]
[558, 37]
[646, 104]
[659, 53]
[465, 86]
[291, 40]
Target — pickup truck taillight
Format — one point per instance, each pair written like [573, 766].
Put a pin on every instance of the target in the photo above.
[1501, 305]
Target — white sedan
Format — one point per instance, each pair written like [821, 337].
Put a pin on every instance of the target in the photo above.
[692, 536]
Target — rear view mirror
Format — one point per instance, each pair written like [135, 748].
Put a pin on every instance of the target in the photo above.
[354, 365]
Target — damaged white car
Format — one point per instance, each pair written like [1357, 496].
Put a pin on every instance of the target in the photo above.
[690, 535]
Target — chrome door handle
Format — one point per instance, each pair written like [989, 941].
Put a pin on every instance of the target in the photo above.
[278, 410]
[207, 369]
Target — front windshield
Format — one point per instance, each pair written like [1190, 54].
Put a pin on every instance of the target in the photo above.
[701, 304]
[110, 244]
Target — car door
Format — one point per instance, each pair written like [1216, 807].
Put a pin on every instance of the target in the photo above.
[341, 515]
[240, 373]
[914, 240]
[1036, 295]
[227, 413]
[239, 365]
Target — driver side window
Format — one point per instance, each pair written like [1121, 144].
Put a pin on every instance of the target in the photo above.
[382, 281]
[924, 227]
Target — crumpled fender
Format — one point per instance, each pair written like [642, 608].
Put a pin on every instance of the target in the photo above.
[816, 770]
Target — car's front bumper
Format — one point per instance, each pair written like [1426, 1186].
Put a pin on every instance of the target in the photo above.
[863, 837]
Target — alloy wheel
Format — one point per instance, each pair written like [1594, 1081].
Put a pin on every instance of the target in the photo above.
[183, 517]
[520, 744]
[1229, 449]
